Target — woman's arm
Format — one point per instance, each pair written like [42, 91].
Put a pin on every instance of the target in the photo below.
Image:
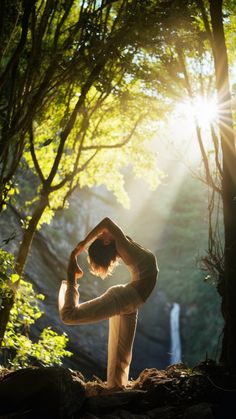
[114, 232]
[74, 271]
[105, 226]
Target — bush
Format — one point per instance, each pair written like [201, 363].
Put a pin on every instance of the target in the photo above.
[50, 347]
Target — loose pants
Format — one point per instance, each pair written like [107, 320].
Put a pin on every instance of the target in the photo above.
[120, 305]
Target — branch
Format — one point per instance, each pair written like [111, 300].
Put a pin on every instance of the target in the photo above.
[77, 170]
[71, 176]
[67, 6]
[72, 188]
[2, 11]
[117, 145]
[216, 146]
[33, 155]
[184, 69]
[209, 178]
[28, 5]
[83, 129]
[202, 9]
[70, 124]
[203, 180]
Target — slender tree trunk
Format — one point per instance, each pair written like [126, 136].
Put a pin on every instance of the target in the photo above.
[7, 303]
[24, 249]
[228, 355]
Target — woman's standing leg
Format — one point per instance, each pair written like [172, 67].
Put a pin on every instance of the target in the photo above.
[119, 304]
[120, 344]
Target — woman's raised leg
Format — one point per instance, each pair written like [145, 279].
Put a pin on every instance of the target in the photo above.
[72, 312]
[120, 299]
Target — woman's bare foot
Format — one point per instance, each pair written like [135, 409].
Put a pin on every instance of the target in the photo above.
[100, 389]
[115, 389]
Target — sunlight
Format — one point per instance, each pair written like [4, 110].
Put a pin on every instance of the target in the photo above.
[201, 109]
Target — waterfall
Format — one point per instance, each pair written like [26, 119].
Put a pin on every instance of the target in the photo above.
[175, 342]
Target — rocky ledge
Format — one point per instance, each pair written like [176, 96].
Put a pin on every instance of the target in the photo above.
[206, 391]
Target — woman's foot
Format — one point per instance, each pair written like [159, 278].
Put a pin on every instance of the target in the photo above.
[115, 389]
[101, 389]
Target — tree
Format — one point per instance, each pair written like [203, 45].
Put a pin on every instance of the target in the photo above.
[15, 88]
[227, 139]
[46, 46]
[69, 118]
[210, 37]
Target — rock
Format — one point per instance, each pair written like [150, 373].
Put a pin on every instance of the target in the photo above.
[200, 410]
[41, 392]
[124, 414]
[174, 393]
[166, 412]
[106, 403]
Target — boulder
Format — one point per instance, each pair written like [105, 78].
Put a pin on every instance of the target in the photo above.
[41, 392]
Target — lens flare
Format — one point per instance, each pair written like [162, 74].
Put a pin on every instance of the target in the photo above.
[201, 109]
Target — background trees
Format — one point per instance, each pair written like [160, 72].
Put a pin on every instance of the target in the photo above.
[72, 107]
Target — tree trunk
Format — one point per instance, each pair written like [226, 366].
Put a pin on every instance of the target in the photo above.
[228, 355]
[24, 249]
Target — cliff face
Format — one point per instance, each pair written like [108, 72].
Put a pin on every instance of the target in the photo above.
[46, 267]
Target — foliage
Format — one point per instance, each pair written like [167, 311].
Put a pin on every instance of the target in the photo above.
[7, 273]
[112, 141]
[66, 59]
[50, 347]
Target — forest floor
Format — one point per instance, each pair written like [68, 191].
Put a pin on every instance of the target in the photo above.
[206, 391]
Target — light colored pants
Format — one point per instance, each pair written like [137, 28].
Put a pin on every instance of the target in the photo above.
[119, 304]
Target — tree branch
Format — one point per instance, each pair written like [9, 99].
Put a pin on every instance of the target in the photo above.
[28, 5]
[33, 154]
[64, 135]
[216, 146]
[209, 178]
[117, 145]
[202, 9]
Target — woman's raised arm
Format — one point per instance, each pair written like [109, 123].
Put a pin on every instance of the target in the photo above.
[105, 226]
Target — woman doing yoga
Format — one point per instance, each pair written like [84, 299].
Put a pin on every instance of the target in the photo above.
[120, 303]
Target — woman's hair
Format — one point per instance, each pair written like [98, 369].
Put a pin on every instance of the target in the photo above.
[102, 257]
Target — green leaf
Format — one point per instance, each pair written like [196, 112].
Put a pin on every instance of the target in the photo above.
[15, 278]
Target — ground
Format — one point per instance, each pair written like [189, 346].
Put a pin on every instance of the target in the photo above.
[206, 391]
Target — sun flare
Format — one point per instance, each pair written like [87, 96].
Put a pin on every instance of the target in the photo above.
[201, 109]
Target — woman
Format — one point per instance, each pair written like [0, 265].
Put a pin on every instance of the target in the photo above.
[120, 302]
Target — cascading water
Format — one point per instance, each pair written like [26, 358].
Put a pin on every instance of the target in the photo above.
[175, 341]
